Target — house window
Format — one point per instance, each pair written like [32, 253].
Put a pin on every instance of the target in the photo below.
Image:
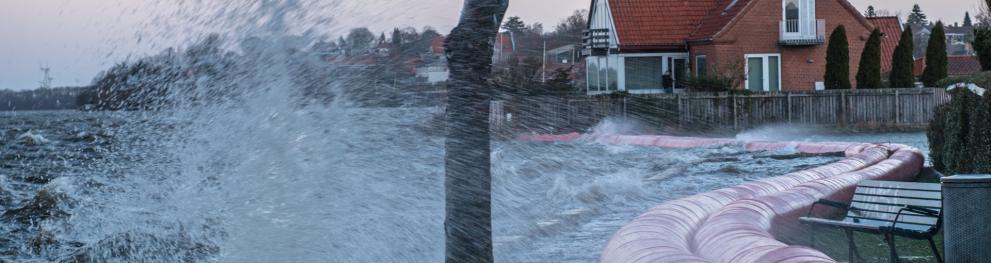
[603, 73]
[593, 74]
[798, 18]
[644, 73]
[611, 73]
[700, 66]
[763, 72]
[791, 16]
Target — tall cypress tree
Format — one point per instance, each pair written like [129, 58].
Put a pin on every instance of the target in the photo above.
[869, 72]
[838, 60]
[902, 62]
[966, 20]
[936, 62]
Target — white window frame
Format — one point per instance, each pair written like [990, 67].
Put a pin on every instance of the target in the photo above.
[606, 60]
[697, 57]
[806, 19]
[664, 68]
[766, 68]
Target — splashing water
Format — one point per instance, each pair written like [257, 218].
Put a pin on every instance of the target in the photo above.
[246, 167]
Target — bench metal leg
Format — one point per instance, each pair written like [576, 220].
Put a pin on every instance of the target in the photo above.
[893, 256]
[853, 253]
[812, 236]
[932, 244]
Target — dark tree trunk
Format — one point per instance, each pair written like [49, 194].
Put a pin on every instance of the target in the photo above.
[468, 224]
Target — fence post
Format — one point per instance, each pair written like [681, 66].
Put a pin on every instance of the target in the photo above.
[789, 109]
[680, 112]
[843, 109]
[898, 109]
[736, 114]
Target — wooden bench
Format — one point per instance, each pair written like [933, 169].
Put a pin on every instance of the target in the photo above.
[911, 210]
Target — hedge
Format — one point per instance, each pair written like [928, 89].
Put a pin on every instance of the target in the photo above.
[960, 134]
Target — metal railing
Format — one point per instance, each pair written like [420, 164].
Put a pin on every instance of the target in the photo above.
[595, 38]
[793, 33]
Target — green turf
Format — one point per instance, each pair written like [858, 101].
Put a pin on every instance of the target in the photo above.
[872, 247]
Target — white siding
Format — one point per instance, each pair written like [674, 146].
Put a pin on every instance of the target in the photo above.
[602, 19]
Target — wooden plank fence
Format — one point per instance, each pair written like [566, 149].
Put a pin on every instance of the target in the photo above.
[861, 109]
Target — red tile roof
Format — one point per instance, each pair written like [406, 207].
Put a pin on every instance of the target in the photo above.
[957, 65]
[891, 30]
[721, 15]
[437, 45]
[657, 23]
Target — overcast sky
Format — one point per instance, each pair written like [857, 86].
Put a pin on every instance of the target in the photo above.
[79, 38]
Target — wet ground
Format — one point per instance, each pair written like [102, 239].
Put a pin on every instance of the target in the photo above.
[358, 185]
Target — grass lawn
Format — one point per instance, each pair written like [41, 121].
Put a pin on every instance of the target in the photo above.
[872, 247]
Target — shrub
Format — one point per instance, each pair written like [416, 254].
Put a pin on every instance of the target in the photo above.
[936, 63]
[902, 64]
[982, 79]
[838, 60]
[980, 134]
[710, 83]
[960, 133]
[982, 45]
[937, 137]
[869, 72]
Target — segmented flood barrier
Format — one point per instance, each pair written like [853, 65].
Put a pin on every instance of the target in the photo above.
[740, 223]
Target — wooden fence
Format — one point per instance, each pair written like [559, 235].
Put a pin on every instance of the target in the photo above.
[860, 109]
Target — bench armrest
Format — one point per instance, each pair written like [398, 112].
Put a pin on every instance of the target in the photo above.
[922, 210]
[914, 209]
[829, 203]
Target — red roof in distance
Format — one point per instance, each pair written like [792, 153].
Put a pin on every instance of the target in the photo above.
[957, 65]
[891, 33]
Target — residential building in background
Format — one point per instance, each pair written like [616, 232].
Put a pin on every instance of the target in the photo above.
[646, 47]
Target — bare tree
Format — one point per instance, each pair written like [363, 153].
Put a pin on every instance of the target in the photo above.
[468, 223]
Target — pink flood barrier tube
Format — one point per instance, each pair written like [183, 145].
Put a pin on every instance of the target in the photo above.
[738, 224]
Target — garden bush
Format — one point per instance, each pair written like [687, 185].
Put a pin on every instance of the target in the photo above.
[960, 134]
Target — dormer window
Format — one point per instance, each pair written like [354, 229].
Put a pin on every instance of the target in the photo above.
[799, 25]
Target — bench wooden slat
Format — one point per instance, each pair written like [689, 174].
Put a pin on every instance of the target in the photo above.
[897, 201]
[900, 185]
[906, 218]
[883, 208]
[899, 193]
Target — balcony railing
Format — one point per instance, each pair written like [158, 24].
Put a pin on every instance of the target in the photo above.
[793, 33]
[595, 39]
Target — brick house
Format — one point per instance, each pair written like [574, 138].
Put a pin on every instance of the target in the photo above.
[651, 46]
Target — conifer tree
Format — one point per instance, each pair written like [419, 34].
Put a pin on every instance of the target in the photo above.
[936, 62]
[871, 12]
[917, 17]
[838, 60]
[902, 62]
[966, 20]
[869, 72]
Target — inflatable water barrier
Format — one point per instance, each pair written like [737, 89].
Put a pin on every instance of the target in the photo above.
[741, 223]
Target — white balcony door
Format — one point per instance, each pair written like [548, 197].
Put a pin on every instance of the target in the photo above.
[799, 18]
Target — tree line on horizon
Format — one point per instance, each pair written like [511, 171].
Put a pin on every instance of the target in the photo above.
[58, 98]
[206, 71]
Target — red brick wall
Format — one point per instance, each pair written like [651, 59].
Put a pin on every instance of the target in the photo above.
[758, 31]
